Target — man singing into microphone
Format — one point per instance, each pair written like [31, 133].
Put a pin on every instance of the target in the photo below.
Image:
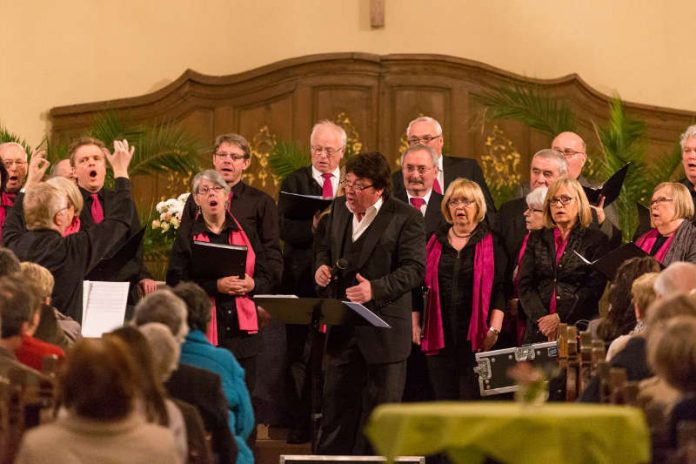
[382, 241]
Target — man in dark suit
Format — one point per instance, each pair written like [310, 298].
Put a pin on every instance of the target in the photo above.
[321, 178]
[427, 131]
[383, 241]
[14, 161]
[250, 206]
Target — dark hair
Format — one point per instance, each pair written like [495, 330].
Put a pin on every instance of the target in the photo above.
[621, 318]
[9, 264]
[98, 379]
[18, 304]
[197, 304]
[374, 166]
[151, 389]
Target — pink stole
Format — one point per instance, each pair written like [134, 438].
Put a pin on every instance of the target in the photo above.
[647, 241]
[6, 202]
[560, 248]
[246, 309]
[484, 269]
[73, 227]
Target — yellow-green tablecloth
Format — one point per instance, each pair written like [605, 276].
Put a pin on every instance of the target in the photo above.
[511, 433]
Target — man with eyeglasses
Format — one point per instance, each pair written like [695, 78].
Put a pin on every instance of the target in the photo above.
[256, 209]
[427, 131]
[321, 178]
[14, 160]
[688, 146]
[574, 149]
[383, 241]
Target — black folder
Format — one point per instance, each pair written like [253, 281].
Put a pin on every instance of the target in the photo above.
[293, 310]
[302, 206]
[609, 264]
[610, 190]
[214, 260]
[108, 267]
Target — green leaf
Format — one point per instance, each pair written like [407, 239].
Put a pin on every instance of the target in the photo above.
[287, 157]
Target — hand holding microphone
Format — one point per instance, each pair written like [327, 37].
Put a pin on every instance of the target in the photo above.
[324, 274]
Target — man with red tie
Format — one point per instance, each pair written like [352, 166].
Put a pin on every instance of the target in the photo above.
[14, 159]
[321, 178]
[88, 161]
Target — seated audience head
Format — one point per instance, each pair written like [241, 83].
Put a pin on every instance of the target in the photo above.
[14, 158]
[110, 393]
[679, 277]
[69, 188]
[165, 349]
[643, 294]
[9, 263]
[688, 146]
[672, 355]
[419, 167]
[670, 205]
[46, 207]
[534, 214]
[88, 160]
[463, 203]
[164, 307]
[660, 312]
[574, 149]
[63, 168]
[210, 193]
[621, 318]
[425, 131]
[197, 305]
[548, 165]
[328, 145]
[41, 280]
[566, 205]
[150, 389]
[231, 157]
[19, 304]
[367, 179]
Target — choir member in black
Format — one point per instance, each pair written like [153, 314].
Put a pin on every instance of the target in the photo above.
[555, 284]
[688, 146]
[231, 157]
[48, 214]
[14, 171]
[465, 266]
[235, 322]
[321, 178]
[672, 236]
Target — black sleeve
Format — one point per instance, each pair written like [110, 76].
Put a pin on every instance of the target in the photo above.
[296, 232]
[267, 223]
[530, 298]
[263, 275]
[481, 181]
[14, 221]
[498, 290]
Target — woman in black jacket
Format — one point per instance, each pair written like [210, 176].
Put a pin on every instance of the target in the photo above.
[556, 285]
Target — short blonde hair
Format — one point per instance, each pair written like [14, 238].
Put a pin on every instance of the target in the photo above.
[38, 276]
[681, 198]
[584, 211]
[672, 355]
[70, 189]
[643, 292]
[464, 188]
[41, 203]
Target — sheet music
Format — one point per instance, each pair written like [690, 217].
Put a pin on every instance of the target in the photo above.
[274, 296]
[585, 260]
[103, 306]
[368, 315]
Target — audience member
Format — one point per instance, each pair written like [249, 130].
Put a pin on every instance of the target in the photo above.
[676, 278]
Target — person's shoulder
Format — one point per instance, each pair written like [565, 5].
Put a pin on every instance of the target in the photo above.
[253, 192]
[299, 174]
[459, 160]
[512, 206]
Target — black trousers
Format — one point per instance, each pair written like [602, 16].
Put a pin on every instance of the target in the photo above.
[452, 376]
[298, 379]
[352, 389]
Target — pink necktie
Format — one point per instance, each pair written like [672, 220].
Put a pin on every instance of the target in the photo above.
[417, 202]
[327, 188]
[436, 186]
[229, 202]
[97, 210]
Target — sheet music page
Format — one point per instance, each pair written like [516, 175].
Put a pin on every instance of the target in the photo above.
[368, 315]
[103, 306]
[260, 297]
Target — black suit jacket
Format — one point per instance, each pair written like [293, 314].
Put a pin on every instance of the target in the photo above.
[512, 229]
[433, 216]
[454, 167]
[297, 236]
[392, 258]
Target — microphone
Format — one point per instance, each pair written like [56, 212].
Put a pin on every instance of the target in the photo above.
[341, 265]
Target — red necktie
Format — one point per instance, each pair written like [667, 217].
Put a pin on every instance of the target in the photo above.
[417, 202]
[436, 186]
[229, 202]
[97, 210]
[327, 188]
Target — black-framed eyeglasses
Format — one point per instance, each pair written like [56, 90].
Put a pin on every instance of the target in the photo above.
[328, 151]
[562, 200]
[354, 186]
[659, 200]
[461, 201]
[533, 210]
[424, 140]
[569, 152]
[419, 169]
[231, 156]
[206, 190]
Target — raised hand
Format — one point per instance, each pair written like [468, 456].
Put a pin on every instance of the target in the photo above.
[38, 164]
[121, 158]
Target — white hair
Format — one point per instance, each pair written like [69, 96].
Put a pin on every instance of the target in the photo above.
[13, 144]
[679, 277]
[433, 121]
[689, 132]
[420, 147]
[537, 196]
[557, 156]
[330, 125]
[165, 349]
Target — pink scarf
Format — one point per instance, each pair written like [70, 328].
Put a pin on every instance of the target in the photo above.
[73, 227]
[246, 309]
[647, 241]
[6, 202]
[484, 269]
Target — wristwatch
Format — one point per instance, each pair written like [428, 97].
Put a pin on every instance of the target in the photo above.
[495, 331]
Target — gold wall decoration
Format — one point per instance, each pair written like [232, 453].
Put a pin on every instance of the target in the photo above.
[501, 166]
[259, 173]
[353, 144]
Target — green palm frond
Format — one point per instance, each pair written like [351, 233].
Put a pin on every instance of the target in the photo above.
[528, 105]
[8, 136]
[164, 148]
[286, 157]
[109, 126]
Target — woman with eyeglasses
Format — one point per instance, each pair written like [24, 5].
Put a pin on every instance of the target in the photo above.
[555, 283]
[465, 267]
[234, 323]
[672, 237]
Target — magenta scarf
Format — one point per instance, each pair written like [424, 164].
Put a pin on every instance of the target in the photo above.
[516, 277]
[246, 309]
[484, 270]
[6, 202]
[647, 241]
